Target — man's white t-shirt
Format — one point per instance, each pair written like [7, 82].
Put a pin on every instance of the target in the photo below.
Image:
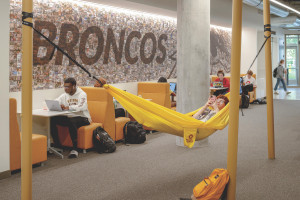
[248, 81]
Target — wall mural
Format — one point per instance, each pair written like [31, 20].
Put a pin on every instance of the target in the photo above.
[116, 44]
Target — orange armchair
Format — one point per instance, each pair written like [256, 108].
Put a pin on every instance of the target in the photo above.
[39, 142]
[101, 108]
[158, 92]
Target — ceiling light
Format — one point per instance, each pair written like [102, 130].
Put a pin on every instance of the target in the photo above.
[285, 6]
[273, 9]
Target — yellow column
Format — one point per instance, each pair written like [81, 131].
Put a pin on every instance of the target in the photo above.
[269, 85]
[26, 160]
[234, 97]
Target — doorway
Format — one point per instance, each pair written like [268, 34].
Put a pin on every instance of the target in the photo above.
[292, 59]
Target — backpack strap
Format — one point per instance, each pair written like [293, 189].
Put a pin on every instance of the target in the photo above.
[125, 132]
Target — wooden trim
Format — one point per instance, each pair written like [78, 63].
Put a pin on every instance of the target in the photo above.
[5, 174]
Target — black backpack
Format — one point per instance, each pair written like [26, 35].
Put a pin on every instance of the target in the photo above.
[275, 72]
[247, 88]
[245, 101]
[102, 141]
[134, 133]
[119, 112]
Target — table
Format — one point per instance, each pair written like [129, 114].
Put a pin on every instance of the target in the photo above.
[47, 114]
[213, 89]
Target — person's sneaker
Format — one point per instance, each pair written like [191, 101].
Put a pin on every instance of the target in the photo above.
[276, 92]
[287, 92]
[73, 154]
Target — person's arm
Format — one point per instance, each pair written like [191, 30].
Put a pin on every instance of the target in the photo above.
[82, 104]
[254, 83]
[226, 83]
[201, 111]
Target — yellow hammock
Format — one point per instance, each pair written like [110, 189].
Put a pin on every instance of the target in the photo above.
[166, 120]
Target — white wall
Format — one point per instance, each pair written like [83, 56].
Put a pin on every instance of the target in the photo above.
[249, 50]
[4, 86]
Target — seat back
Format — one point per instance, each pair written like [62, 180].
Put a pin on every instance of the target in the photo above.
[158, 92]
[253, 75]
[101, 107]
[14, 136]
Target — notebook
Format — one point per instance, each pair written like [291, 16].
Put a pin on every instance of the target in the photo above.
[173, 87]
[53, 105]
[218, 84]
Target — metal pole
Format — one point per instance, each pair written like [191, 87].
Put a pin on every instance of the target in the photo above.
[26, 160]
[234, 97]
[269, 85]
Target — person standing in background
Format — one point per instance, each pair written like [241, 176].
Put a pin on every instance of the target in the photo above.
[281, 71]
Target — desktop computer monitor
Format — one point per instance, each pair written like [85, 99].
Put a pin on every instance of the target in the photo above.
[173, 87]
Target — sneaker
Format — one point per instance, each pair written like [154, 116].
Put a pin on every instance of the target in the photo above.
[276, 92]
[287, 92]
[73, 154]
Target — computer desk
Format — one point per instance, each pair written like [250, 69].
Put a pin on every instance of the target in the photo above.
[48, 114]
[213, 89]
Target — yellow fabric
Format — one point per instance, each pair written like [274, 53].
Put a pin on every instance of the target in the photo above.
[166, 120]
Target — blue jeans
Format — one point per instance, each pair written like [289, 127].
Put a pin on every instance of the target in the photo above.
[277, 84]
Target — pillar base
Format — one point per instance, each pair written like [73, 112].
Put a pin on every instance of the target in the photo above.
[200, 143]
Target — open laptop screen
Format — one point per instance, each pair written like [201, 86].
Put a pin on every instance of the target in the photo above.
[218, 84]
[173, 87]
[53, 105]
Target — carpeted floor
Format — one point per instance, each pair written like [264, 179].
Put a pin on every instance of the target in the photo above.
[160, 170]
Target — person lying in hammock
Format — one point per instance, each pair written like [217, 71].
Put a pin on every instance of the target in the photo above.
[217, 103]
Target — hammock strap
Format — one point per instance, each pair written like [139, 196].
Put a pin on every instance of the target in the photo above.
[30, 15]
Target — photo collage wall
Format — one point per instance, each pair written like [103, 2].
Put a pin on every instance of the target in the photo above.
[116, 44]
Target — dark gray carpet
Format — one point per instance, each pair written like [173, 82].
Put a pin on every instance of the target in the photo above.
[160, 170]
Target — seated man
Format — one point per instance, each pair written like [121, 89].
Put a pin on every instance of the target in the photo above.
[217, 103]
[225, 81]
[249, 83]
[172, 94]
[74, 99]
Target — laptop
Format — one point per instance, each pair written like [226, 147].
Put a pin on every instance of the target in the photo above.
[217, 84]
[53, 105]
[173, 87]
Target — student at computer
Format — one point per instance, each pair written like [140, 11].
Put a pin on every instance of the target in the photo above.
[74, 99]
[225, 81]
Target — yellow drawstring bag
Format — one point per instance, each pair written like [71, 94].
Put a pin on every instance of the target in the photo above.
[212, 187]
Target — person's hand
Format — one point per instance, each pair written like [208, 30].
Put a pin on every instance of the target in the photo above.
[209, 103]
[64, 107]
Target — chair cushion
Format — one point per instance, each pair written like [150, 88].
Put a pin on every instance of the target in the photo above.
[84, 136]
[120, 123]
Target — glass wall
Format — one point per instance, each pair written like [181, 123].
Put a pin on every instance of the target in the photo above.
[292, 59]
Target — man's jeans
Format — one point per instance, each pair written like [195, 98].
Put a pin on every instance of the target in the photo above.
[277, 84]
